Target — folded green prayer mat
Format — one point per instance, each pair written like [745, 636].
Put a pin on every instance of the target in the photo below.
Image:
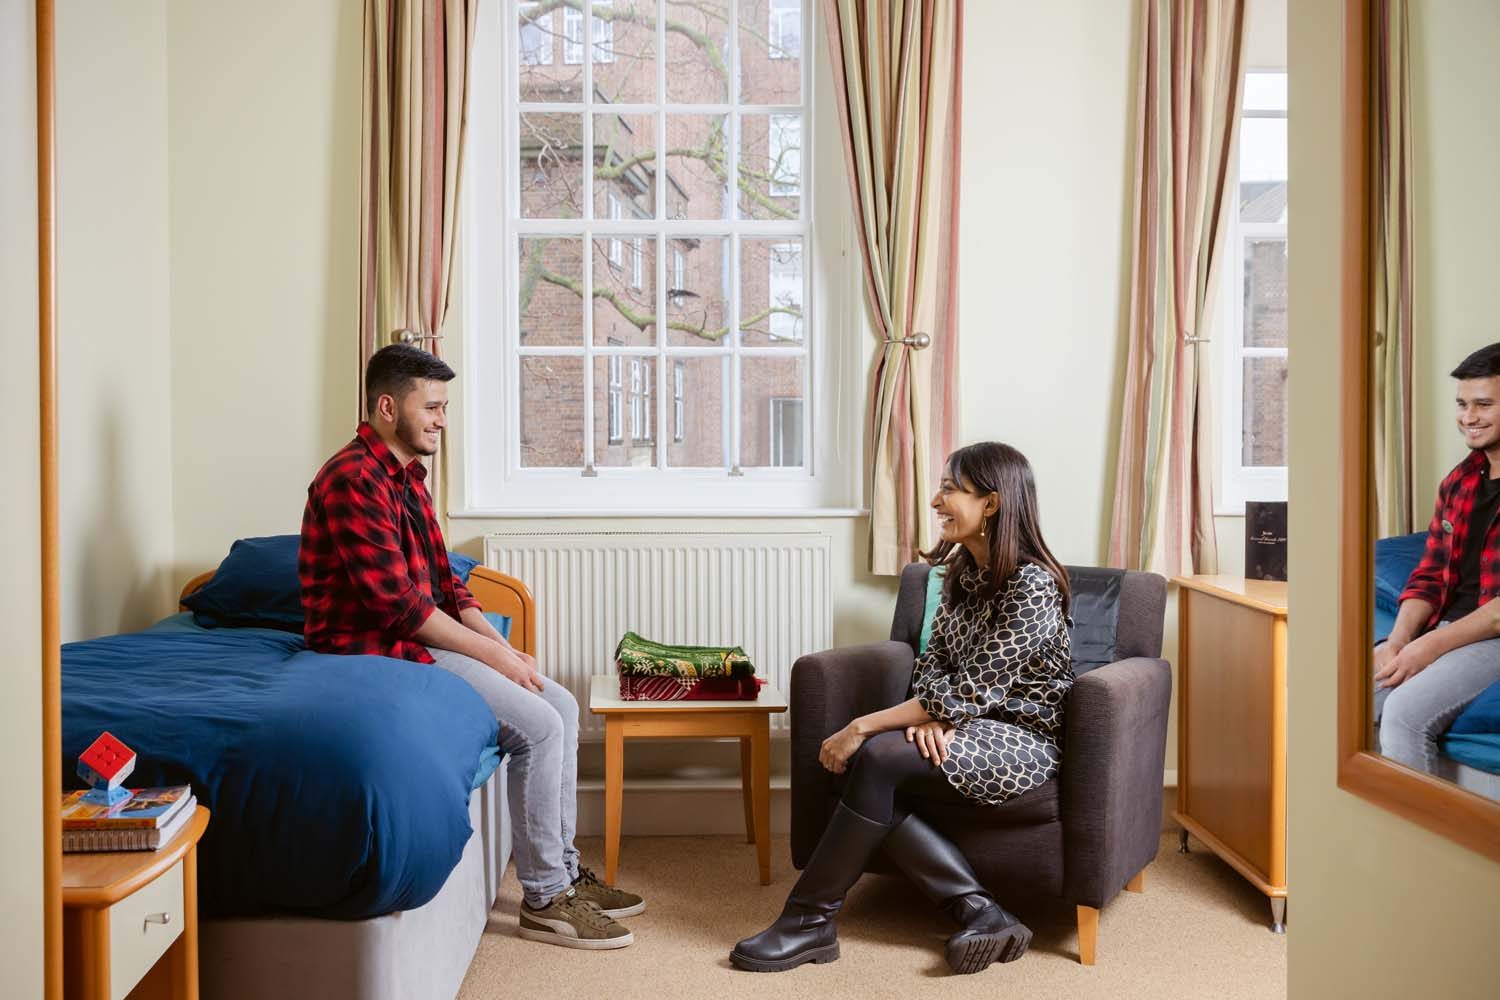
[643, 658]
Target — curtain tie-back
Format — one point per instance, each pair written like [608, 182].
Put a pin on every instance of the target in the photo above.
[920, 341]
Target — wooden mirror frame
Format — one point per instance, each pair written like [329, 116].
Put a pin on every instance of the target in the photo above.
[1442, 807]
[51, 594]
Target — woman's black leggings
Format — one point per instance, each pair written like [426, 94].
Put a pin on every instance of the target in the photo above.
[886, 772]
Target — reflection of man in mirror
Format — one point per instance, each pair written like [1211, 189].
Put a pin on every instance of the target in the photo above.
[1445, 646]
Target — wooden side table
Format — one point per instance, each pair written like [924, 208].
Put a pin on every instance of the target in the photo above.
[1231, 726]
[131, 917]
[750, 721]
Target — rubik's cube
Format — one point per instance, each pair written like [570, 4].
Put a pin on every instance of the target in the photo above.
[104, 765]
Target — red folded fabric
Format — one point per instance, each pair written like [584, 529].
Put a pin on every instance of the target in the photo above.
[639, 688]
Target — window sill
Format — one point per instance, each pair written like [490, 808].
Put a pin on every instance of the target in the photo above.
[616, 512]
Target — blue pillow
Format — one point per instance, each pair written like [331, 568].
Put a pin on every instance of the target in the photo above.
[1395, 559]
[257, 584]
[501, 623]
[934, 598]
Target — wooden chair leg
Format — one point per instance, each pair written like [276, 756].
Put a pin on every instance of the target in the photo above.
[1088, 934]
[1137, 884]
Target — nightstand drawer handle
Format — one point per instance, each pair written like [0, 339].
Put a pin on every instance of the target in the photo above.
[158, 918]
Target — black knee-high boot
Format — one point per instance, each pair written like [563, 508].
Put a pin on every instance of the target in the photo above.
[986, 932]
[805, 931]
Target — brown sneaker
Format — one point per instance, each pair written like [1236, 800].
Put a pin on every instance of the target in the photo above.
[612, 902]
[573, 922]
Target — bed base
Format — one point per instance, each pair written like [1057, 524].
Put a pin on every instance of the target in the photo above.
[420, 954]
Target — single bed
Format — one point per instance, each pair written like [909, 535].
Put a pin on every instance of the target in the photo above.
[385, 893]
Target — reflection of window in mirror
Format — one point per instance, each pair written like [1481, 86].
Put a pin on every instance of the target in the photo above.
[1252, 324]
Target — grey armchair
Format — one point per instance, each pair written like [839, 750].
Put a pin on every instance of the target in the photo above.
[1083, 836]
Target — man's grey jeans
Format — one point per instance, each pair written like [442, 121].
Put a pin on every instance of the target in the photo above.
[539, 734]
[1418, 711]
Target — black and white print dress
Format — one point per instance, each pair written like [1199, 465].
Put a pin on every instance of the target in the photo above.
[999, 671]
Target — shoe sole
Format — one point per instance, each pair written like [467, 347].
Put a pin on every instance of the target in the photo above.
[626, 911]
[977, 953]
[586, 944]
[817, 956]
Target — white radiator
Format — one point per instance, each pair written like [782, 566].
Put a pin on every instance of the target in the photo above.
[768, 593]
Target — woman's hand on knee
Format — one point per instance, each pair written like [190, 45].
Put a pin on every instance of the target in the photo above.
[837, 749]
[931, 739]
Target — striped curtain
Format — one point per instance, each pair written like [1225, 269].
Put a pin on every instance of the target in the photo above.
[1392, 215]
[1187, 113]
[416, 96]
[897, 78]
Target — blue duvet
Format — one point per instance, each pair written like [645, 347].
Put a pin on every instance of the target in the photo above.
[339, 784]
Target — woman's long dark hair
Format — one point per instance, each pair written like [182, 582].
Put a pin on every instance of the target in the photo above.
[1014, 531]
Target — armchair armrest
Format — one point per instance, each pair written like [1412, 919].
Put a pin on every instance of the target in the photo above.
[1111, 776]
[828, 690]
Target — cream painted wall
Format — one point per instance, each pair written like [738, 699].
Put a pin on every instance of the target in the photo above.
[115, 443]
[263, 140]
[1379, 907]
[1454, 76]
[21, 892]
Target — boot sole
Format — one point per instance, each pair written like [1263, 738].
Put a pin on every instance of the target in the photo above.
[977, 953]
[818, 956]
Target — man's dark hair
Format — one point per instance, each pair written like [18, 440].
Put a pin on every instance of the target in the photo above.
[1483, 363]
[393, 371]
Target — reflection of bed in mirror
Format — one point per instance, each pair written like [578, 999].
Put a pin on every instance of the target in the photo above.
[1469, 751]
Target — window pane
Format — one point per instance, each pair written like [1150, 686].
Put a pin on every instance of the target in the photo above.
[551, 412]
[625, 166]
[551, 168]
[542, 74]
[551, 291]
[625, 51]
[697, 51]
[771, 166]
[698, 304]
[1265, 412]
[1263, 170]
[625, 414]
[697, 419]
[771, 51]
[770, 412]
[1265, 292]
[697, 166]
[625, 290]
[1265, 92]
[770, 292]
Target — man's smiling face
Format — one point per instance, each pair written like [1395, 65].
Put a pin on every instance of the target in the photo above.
[1479, 412]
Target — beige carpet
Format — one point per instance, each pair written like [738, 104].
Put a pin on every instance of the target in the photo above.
[1199, 932]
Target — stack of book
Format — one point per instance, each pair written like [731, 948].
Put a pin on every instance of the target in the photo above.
[150, 818]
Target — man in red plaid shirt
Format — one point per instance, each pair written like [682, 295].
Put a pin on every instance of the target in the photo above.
[1444, 648]
[376, 580]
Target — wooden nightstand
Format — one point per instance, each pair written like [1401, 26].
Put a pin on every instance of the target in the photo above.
[131, 917]
[1231, 726]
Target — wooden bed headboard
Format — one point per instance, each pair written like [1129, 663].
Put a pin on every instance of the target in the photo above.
[495, 592]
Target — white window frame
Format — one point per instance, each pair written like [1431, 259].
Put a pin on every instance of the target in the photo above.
[574, 42]
[616, 245]
[679, 269]
[1237, 482]
[779, 13]
[540, 55]
[637, 263]
[615, 432]
[493, 481]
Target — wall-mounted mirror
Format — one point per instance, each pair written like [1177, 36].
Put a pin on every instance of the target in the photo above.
[1420, 695]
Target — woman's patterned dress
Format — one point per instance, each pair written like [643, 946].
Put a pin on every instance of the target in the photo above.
[999, 671]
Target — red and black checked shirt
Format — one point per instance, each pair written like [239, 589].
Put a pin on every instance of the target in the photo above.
[1436, 577]
[372, 564]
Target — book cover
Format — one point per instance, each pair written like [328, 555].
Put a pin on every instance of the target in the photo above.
[147, 809]
[1265, 540]
[130, 838]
